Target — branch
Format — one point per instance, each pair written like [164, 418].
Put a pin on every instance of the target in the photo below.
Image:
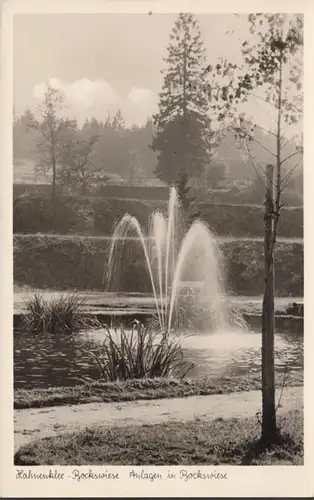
[266, 149]
[253, 161]
[37, 127]
[262, 99]
[265, 130]
[287, 142]
[276, 212]
[282, 388]
[299, 151]
[289, 174]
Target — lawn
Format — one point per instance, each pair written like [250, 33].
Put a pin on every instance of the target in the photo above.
[144, 389]
[198, 442]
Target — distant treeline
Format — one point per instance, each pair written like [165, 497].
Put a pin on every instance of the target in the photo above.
[126, 153]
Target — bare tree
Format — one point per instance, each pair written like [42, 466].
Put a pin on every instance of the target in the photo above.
[272, 74]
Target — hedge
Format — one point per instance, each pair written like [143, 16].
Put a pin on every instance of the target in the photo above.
[64, 263]
[253, 194]
[97, 216]
[247, 220]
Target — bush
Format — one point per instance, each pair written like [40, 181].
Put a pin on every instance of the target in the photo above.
[55, 316]
[141, 353]
[245, 269]
[247, 220]
[256, 194]
[33, 214]
[78, 263]
[107, 212]
[97, 216]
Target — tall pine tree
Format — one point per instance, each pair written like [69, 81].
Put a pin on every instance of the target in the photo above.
[183, 135]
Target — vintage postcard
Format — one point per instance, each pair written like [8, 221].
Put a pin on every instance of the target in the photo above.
[156, 243]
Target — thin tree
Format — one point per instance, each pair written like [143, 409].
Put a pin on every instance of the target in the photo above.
[182, 125]
[271, 74]
[50, 126]
[76, 166]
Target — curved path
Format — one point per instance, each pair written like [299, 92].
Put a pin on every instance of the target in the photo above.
[33, 424]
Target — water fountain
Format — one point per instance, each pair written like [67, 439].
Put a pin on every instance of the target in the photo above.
[178, 261]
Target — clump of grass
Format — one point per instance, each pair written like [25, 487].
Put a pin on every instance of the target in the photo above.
[57, 315]
[141, 353]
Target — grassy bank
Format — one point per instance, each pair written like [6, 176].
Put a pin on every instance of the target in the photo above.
[78, 263]
[145, 389]
[90, 215]
[232, 441]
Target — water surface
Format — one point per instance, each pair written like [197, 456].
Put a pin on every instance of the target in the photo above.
[65, 360]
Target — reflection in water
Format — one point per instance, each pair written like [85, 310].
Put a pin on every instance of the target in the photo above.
[234, 354]
[46, 360]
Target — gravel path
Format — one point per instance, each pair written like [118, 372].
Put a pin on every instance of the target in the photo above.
[32, 424]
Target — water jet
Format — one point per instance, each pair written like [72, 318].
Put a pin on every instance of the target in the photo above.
[182, 263]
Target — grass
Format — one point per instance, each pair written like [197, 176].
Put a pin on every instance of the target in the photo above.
[199, 442]
[145, 389]
[139, 354]
[55, 315]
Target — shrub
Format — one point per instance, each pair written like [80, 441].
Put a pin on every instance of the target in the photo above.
[108, 211]
[256, 194]
[55, 316]
[141, 353]
[247, 220]
[245, 268]
[63, 263]
[77, 263]
[33, 214]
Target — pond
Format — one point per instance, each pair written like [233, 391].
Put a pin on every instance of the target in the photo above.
[44, 361]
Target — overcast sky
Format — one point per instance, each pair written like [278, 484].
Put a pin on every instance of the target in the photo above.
[102, 62]
[105, 62]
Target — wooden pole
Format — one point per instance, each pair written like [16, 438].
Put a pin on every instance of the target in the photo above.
[269, 427]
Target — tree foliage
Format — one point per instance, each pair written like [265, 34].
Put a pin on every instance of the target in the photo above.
[183, 135]
[271, 73]
[51, 128]
[187, 201]
[75, 160]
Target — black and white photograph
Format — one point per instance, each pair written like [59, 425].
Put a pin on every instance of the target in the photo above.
[157, 215]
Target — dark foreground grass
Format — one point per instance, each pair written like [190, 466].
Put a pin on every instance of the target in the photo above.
[199, 442]
[144, 389]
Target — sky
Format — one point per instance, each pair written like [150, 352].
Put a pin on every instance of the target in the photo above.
[102, 62]
[106, 62]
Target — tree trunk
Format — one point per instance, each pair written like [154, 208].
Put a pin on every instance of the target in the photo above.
[132, 161]
[269, 427]
[53, 192]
